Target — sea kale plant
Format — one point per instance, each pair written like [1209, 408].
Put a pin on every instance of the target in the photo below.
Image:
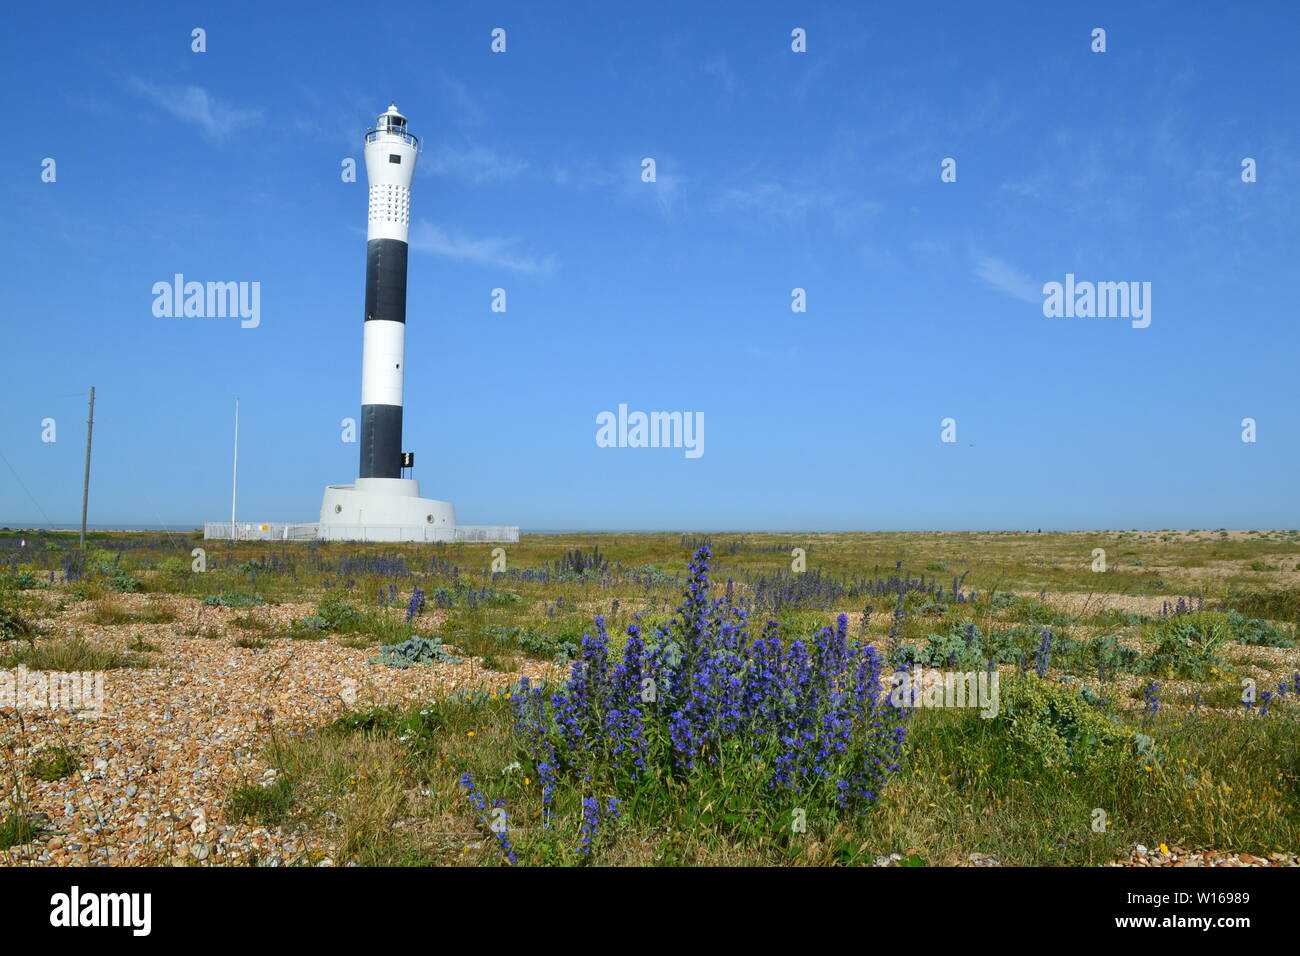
[704, 722]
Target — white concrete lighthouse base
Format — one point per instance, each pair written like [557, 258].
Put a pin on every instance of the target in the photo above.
[384, 509]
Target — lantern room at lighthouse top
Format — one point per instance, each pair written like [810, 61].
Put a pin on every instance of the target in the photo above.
[391, 151]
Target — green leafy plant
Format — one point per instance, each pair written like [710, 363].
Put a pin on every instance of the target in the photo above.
[1257, 632]
[1109, 657]
[54, 763]
[410, 725]
[234, 599]
[20, 580]
[1054, 725]
[962, 648]
[337, 615]
[13, 627]
[1189, 646]
[414, 651]
[122, 583]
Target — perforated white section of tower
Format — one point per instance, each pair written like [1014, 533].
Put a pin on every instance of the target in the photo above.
[390, 202]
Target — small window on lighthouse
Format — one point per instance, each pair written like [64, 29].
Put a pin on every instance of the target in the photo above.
[394, 158]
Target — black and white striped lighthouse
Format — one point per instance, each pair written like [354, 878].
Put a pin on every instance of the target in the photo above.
[382, 505]
[391, 151]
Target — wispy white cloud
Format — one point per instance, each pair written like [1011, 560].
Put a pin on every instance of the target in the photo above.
[668, 191]
[782, 353]
[718, 66]
[194, 105]
[773, 199]
[475, 164]
[796, 206]
[459, 101]
[1007, 279]
[623, 177]
[488, 251]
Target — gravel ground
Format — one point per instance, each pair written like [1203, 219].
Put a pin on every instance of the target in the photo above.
[1141, 856]
[1177, 856]
[157, 764]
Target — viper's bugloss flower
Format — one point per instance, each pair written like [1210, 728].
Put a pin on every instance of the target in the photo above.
[416, 604]
[497, 826]
[700, 698]
[1043, 657]
[590, 821]
[1151, 696]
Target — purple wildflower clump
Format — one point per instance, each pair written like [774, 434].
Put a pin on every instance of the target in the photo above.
[1187, 605]
[380, 565]
[416, 605]
[1043, 656]
[74, 566]
[816, 589]
[703, 704]
[897, 628]
[1151, 706]
[591, 821]
[498, 822]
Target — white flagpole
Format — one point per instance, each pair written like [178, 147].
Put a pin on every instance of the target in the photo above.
[234, 480]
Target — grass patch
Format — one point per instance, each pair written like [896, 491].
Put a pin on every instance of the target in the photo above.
[16, 829]
[363, 780]
[208, 630]
[72, 654]
[108, 612]
[54, 763]
[268, 806]
[1276, 605]
[249, 623]
[156, 614]
[13, 627]
[141, 646]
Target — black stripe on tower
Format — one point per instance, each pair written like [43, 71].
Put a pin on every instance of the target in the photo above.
[381, 441]
[381, 425]
[386, 280]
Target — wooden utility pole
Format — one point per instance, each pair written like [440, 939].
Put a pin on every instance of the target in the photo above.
[85, 484]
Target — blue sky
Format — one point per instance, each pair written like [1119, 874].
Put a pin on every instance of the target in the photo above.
[775, 170]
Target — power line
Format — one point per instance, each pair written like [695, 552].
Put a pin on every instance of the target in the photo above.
[25, 489]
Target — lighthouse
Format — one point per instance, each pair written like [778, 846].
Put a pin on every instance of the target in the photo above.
[382, 504]
[391, 152]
